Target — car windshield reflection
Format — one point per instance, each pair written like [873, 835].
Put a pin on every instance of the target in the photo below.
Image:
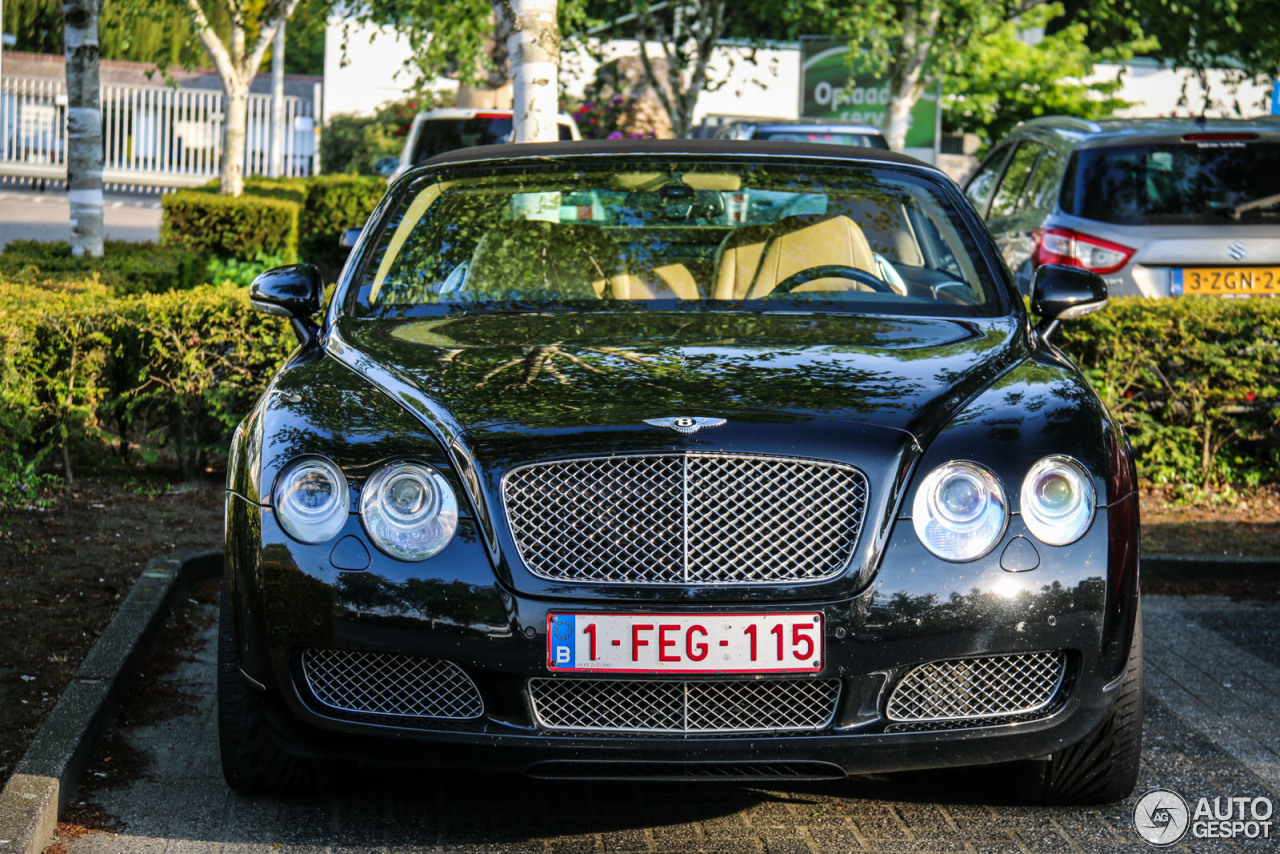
[673, 234]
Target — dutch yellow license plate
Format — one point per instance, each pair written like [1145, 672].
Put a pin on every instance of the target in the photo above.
[1222, 281]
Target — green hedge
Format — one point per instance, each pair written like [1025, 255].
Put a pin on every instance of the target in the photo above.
[318, 211]
[241, 227]
[1194, 382]
[85, 373]
[145, 377]
[124, 268]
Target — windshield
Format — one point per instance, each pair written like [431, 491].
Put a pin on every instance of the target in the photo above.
[594, 234]
[1174, 183]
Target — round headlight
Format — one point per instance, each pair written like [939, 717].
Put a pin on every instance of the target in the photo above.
[311, 500]
[959, 511]
[1057, 500]
[409, 511]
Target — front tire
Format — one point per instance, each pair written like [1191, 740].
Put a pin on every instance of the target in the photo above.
[254, 759]
[1103, 767]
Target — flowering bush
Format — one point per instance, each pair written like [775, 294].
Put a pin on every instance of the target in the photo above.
[606, 118]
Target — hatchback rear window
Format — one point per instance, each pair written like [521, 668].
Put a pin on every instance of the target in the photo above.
[440, 135]
[866, 140]
[1196, 183]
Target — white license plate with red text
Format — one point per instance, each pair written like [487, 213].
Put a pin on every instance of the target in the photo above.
[684, 643]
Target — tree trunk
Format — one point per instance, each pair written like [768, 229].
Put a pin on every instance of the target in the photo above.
[534, 47]
[84, 127]
[275, 161]
[906, 71]
[236, 107]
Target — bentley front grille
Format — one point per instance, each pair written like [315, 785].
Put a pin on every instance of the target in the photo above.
[719, 706]
[686, 518]
[996, 686]
[373, 683]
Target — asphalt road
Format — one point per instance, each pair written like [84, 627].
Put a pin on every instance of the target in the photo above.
[1212, 730]
[33, 215]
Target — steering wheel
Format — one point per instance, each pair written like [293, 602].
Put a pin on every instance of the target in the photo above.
[831, 271]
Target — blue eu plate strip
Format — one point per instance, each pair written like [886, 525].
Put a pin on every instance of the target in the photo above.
[1175, 282]
[562, 640]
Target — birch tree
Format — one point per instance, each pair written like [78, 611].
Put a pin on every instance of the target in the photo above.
[84, 126]
[911, 41]
[534, 48]
[237, 60]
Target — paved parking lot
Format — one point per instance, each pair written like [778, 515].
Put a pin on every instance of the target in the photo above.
[33, 215]
[1213, 731]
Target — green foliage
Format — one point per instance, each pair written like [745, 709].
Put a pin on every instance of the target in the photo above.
[161, 31]
[1242, 37]
[334, 204]
[143, 377]
[242, 273]
[1194, 381]
[277, 220]
[125, 268]
[353, 144]
[1001, 80]
[230, 226]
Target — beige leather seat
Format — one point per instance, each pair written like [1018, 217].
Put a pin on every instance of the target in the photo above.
[668, 281]
[755, 258]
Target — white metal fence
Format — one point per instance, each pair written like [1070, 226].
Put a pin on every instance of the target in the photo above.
[154, 136]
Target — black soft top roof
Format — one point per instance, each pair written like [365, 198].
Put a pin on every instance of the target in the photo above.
[746, 148]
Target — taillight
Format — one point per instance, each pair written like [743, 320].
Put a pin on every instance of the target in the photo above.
[1074, 249]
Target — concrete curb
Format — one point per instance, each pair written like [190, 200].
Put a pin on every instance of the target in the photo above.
[46, 776]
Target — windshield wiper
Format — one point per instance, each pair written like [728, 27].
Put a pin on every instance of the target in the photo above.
[1235, 211]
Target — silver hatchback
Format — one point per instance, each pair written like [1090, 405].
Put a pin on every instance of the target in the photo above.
[1157, 207]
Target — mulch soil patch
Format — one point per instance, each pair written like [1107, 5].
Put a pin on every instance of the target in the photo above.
[64, 570]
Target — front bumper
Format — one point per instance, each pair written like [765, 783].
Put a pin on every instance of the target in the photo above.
[288, 598]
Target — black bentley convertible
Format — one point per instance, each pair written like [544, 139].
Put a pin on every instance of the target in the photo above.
[680, 459]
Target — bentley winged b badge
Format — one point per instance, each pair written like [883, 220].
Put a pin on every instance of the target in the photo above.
[685, 423]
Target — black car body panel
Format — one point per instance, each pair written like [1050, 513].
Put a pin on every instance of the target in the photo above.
[477, 395]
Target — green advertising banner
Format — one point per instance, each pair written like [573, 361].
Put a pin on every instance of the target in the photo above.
[831, 88]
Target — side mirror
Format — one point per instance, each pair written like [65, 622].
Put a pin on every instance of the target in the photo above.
[1062, 293]
[349, 237]
[386, 166]
[294, 292]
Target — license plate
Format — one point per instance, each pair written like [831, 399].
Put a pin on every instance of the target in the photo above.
[685, 643]
[1221, 281]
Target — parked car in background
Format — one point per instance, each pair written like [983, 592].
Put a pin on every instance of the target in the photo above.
[578, 477]
[437, 131]
[833, 133]
[1157, 207]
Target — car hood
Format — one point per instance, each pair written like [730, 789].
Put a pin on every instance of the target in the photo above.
[478, 377]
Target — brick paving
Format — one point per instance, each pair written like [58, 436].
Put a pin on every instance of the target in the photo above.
[1213, 730]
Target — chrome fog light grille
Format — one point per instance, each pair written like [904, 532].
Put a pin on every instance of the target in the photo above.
[633, 705]
[686, 518]
[976, 688]
[374, 683]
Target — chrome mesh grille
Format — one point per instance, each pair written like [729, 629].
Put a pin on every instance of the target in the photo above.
[685, 518]
[734, 705]
[374, 683]
[975, 688]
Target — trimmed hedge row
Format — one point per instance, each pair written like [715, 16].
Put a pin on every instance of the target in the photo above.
[124, 268]
[241, 227]
[290, 218]
[85, 374]
[1195, 383]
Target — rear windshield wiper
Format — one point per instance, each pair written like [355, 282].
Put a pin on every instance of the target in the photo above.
[1266, 201]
